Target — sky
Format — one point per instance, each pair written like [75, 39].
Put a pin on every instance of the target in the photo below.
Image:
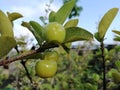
[93, 11]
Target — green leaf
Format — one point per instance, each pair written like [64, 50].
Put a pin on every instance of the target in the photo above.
[77, 34]
[71, 23]
[13, 16]
[62, 14]
[106, 22]
[117, 38]
[5, 25]
[37, 27]
[52, 16]
[6, 44]
[116, 32]
[96, 35]
[37, 31]
[26, 24]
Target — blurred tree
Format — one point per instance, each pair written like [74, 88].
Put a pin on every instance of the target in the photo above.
[76, 9]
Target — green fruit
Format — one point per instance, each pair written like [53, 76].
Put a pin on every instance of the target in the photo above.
[54, 32]
[51, 55]
[46, 68]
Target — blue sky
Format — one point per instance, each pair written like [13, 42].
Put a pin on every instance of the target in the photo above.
[92, 13]
[93, 10]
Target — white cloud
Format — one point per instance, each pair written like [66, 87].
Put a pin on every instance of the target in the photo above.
[20, 30]
[30, 12]
[35, 10]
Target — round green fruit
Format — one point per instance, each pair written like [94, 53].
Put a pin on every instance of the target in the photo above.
[51, 55]
[54, 32]
[46, 68]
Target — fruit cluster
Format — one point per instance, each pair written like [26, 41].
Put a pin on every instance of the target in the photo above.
[54, 32]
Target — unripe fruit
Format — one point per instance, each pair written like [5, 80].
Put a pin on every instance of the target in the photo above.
[51, 55]
[46, 68]
[54, 32]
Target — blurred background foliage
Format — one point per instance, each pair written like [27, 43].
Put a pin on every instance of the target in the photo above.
[81, 69]
[76, 9]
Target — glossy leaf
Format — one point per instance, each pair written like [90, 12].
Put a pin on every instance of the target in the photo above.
[13, 16]
[52, 16]
[77, 34]
[37, 31]
[37, 27]
[5, 25]
[71, 23]
[62, 14]
[106, 22]
[34, 31]
[6, 44]
[116, 32]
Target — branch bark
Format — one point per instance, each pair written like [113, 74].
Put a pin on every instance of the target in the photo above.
[22, 56]
[104, 66]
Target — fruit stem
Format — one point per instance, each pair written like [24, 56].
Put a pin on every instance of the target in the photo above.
[104, 66]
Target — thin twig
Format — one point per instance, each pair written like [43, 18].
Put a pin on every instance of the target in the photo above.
[23, 63]
[28, 75]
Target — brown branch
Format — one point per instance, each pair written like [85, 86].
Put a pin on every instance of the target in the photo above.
[10, 60]
[22, 56]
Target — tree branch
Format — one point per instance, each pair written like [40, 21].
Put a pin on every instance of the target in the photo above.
[10, 60]
[22, 56]
[104, 66]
